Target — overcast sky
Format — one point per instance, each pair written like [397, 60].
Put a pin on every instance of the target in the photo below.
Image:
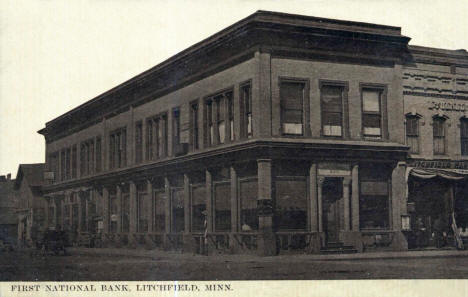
[56, 55]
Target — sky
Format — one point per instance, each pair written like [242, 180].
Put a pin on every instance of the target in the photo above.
[56, 55]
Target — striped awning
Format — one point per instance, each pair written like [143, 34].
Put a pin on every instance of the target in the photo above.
[428, 173]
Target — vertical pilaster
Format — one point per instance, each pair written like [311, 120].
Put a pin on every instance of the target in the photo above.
[151, 214]
[167, 208]
[186, 203]
[346, 184]
[355, 198]
[133, 210]
[320, 181]
[399, 206]
[209, 200]
[261, 109]
[313, 207]
[131, 139]
[119, 207]
[234, 201]
[266, 242]
[80, 212]
[105, 209]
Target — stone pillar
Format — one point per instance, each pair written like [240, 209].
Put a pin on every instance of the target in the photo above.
[189, 242]
[266, 242]
[80, 212]
[355, 198]
[167, 210]
[105, 210]
[132, 215]
[235, 212]
[346, 208]
[315, 242]
[320, 181]
[261, 91]
[119, 207]
[398, 198]
[151, 214]
[209, 201]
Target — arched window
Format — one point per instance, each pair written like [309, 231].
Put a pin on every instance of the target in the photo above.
[438, 128]
[464, 136]
[412, 133]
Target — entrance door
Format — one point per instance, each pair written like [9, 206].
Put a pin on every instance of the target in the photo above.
[332, 194]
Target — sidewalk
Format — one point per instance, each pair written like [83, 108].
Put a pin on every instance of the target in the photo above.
[188, 257]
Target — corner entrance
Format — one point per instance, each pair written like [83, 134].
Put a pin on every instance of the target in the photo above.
[332, 207]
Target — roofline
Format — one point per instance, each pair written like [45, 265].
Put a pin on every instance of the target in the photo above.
[260, 16]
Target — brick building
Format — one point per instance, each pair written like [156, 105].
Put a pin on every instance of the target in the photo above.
[281, 132]
[435, 93]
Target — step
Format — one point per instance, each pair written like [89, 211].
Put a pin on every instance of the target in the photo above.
[338, 251]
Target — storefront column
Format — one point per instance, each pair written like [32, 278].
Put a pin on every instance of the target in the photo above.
[132, 242]
[209, 201]
[397, 208]
[151, 214]
[105, 210]
[189, 242]
[266, 242]
[314, 246]
[167, 210]
[67, 198]
[118, 197]
[355, 198]
[320, 181]
[346, 184]
[235, 213]
[80, 212]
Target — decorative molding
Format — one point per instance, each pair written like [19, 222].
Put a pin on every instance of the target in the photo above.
[443, 96]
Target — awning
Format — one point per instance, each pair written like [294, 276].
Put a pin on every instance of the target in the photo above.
[428, 173]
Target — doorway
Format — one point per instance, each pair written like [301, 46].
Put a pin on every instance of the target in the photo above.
[332, 208]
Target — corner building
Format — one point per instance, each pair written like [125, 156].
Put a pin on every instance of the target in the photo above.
[280, 133]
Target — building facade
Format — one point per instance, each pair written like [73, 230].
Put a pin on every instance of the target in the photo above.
[279, 133]
[435, 94]
[8, 204]
[31, 205]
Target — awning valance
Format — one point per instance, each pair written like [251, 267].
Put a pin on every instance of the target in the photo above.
[428, 173]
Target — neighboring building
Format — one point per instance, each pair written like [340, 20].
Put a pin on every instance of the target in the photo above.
[435, 89]
[31, 207]
[281, 132]
[8, 203]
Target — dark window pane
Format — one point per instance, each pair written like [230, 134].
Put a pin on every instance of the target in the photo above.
[291, 204]
[178, 223]
[248, 199]
[222, 198]
[159, 210]
[198, 206]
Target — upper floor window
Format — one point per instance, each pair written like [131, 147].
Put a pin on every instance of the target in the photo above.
[464, 136]
[194, 126]
[118, 148]
[54, 164]
[332, 110]
[74, 158]
[438, 132]
[138, 142]
[292, 105]
[372, 113]
[175, 127]
[412, 133]
[156, 137]
[219, 118]
[87, 157]
[246, 110]
[98, 154]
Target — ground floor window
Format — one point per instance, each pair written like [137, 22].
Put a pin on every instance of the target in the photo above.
[374, 197]
[198, 194]
[178, 223]
[51, 214]
[159, 210]
[222, 202]
[248, 193]
[291, 203]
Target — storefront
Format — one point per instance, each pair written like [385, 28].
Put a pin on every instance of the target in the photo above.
[438, 207]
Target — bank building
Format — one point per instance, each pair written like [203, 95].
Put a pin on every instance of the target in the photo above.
[281, 133]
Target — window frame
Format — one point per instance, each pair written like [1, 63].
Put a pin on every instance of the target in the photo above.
[464, 136]
[383, 93]
[416, 135]
[443, 121]
[305, 105]
[194, 125]
[246, 109]
[344, 85]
